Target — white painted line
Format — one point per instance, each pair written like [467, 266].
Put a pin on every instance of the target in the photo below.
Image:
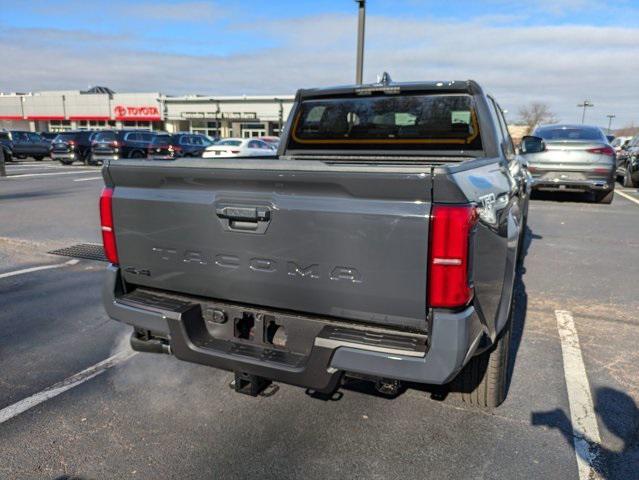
[34, 165]
[22, 175]
[29, 164]
[585, 431]
[37, 269]
[16, 409]
[625, 195]
[50, 168]
[86, 179]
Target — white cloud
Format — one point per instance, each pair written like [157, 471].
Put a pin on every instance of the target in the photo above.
[561, 65]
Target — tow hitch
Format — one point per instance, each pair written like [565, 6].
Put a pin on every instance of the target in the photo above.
[253, 385]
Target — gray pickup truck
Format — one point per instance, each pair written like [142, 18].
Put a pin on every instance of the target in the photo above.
[381, 243]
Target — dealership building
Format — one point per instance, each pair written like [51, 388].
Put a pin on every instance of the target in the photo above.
[100, 108]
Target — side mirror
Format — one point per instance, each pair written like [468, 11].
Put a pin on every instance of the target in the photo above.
[530, 144]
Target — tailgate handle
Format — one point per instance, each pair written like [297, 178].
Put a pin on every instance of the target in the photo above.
[247, 214]
[245, 219]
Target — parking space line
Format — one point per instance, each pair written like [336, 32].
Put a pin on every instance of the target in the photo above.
[17, 408]
[625, 195]
[73, 261]
[585, 432]
[22, 175]
[86, 179]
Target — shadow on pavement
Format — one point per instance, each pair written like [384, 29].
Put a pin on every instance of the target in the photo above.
[562, 197]
[520, 304]
[620, 415]
[34, 194]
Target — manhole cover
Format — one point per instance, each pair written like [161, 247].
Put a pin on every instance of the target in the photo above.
[90, 251]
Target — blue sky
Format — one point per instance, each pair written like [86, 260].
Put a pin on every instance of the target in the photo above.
[554, 51]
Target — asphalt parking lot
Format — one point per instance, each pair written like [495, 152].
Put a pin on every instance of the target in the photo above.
[75, 401]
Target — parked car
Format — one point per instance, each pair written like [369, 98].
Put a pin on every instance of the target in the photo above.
[239, 147]
[619, 142]
[29, 144]
[628, 163]
[117, 144]
[6, 145]
[272, 141]
[573, 158]
[384, 247]
[169, 146]
[74, 146]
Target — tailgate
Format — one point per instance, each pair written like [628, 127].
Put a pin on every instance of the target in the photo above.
[347, 242]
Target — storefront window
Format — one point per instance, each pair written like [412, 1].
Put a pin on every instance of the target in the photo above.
[95, 124]
[59, 125]
[143, 125]
[206, 127]
[253, 130]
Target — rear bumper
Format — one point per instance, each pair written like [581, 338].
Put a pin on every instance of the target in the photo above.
[576, 178]
[432, 359]
[104, 156]
[64, 156]
[558, 183]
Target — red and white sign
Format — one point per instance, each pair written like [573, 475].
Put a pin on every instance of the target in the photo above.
[125, 112]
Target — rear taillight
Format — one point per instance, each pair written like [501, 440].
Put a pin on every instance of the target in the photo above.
[608, 150]
[451, 227]
[115, 144]
[106, 222]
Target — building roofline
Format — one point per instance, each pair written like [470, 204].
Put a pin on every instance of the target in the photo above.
[214, 98]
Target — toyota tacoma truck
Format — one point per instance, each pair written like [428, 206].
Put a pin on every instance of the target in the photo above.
[381, 243]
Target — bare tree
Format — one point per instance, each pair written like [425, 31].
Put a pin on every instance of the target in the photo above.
[628, 130]
[536, 113]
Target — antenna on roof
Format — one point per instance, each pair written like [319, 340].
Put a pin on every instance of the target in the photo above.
[384, 79]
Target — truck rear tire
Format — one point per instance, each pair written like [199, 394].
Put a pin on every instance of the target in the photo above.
[483, 382]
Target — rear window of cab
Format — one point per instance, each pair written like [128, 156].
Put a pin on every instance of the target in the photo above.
[403, 122]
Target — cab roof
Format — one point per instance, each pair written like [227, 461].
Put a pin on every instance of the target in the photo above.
[443, 86]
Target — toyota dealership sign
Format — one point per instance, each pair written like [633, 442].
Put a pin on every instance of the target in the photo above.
[139, 112]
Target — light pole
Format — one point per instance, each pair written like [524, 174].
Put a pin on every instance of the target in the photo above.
[586, 104]
[610, 117]
[361, 21]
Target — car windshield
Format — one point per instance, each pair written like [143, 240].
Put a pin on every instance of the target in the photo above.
[105, 137]
[63, 137]
[562, 133]
[230, 143]
[406, 122]
[161, 140]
